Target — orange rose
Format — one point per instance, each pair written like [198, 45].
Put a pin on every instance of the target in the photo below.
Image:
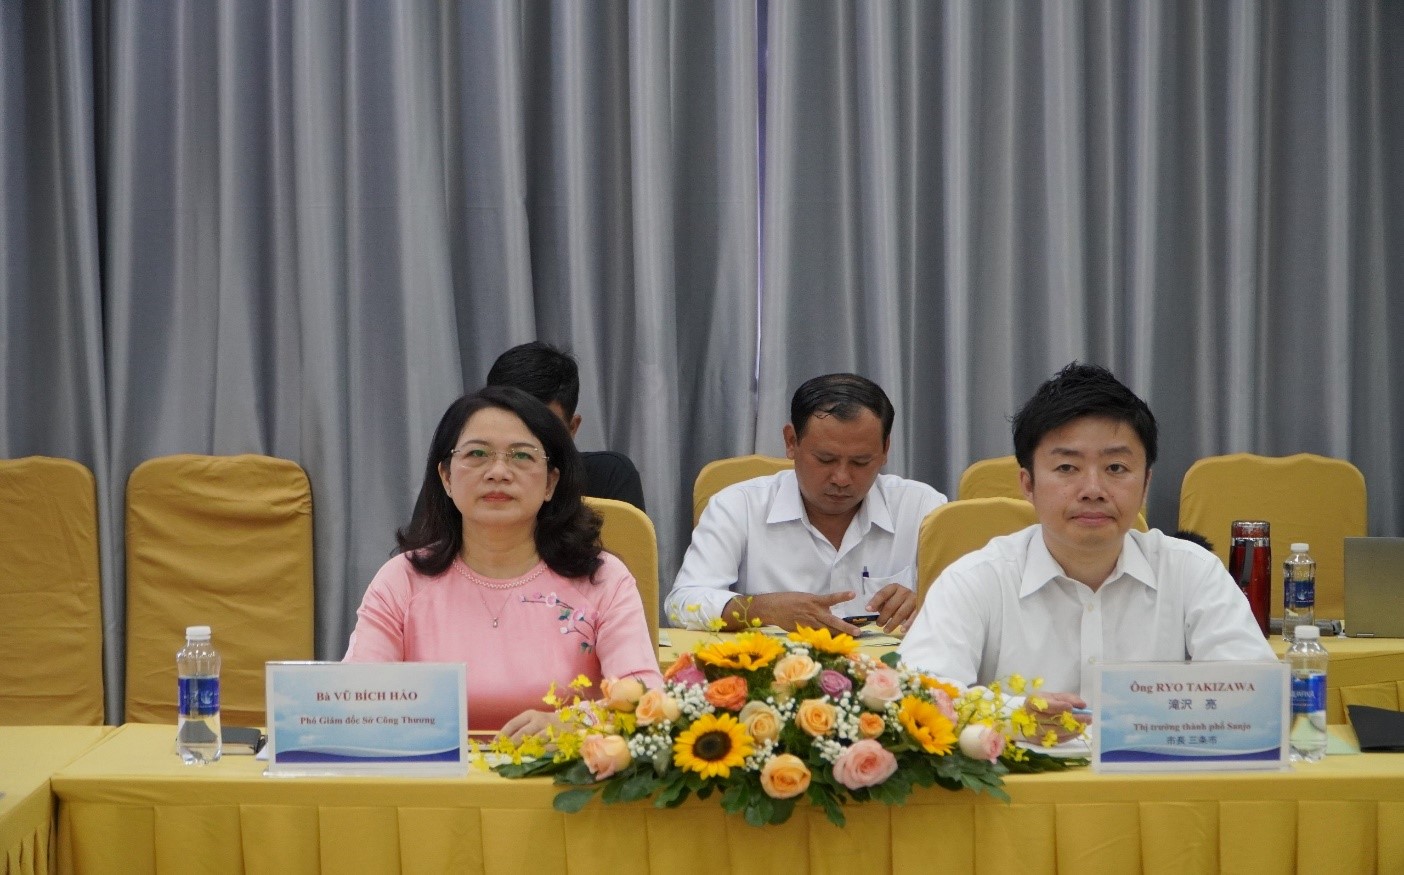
[604, 755]
[655, 707]
[621, 694]
[761, 721]
[870, 725]
[784, 776]
[795, 670]
[816, 717]
[728, 693]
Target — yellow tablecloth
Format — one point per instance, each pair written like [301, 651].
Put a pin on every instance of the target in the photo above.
[130, 806]
[1363, 671]
[28, 756]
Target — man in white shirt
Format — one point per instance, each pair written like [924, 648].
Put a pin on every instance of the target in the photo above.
[1081, 586]
[796, 544]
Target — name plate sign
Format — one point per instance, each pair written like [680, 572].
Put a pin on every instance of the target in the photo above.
[1179, 716]
[405, 718]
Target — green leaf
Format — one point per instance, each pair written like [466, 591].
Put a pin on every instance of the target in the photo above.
[734, 798]
[781, 809]
[638, 786]
[824, 798]
[571, 801]
[759, 810]
[576, 773]
[890, 659]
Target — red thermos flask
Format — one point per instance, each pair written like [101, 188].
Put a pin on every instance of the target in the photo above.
[1250, 564]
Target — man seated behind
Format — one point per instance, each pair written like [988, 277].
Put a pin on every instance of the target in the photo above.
[797, 543]
[551, 376]
[1081, 586]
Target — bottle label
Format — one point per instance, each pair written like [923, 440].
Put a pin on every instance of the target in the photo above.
[199, 697]
[1308, 692]
[1304, 593]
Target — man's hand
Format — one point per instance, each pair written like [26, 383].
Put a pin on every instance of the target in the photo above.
[895, 605]
[787, 610]
[530, 723]
[1050, 716]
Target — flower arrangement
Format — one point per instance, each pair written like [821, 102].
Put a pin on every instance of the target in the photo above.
[766, 722]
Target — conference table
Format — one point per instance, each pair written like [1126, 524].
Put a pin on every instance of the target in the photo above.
[1363, 671]
[28, 756]
[129, 805]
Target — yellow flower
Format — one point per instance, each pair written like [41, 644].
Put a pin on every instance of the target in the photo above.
[932, 683]
[931, 729]
[825, 641]
[712, 746]
[1016, 684]
[747, 651]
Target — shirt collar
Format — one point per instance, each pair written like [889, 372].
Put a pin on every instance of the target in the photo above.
[1040, 567]
[788, 506]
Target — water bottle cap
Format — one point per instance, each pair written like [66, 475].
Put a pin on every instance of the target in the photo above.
[1308, 633]
[1301, 547]
[198, 633]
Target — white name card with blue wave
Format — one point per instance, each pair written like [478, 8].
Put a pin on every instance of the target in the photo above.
[1179, 716]
[403, 718]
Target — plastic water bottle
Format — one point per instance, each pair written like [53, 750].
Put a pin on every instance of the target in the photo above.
[1298, 590]
[1306, 659]
[197, 667]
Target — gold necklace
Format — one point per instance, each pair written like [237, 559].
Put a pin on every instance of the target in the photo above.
[495, 617]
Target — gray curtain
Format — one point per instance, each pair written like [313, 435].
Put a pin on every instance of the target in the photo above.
[1204, 196]
[302, 228]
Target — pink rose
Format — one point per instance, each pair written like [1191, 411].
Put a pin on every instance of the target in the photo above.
[944, 704]
[883, 686]
[834, 683]
[864, 764]
[604, 754]
[981, 742]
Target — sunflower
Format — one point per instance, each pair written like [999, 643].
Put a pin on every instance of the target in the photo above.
[931, 683]
[825, 641]
[748, 651]
[931, 729]
[712, 746]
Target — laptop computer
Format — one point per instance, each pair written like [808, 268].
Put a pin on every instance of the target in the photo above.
[1374, 587]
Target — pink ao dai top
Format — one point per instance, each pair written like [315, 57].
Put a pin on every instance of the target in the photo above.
[551, 629]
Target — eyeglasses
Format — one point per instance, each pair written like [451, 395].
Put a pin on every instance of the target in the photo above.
[520, 458]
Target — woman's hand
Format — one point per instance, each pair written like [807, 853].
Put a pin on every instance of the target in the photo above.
[529, 723]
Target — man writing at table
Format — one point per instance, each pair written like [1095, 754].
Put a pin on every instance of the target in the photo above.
[1081, 586]
[795, 544]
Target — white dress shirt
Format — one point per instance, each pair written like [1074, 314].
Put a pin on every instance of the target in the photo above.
[756, 537]
[1009, 608]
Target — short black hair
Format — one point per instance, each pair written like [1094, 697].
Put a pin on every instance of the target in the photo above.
[544, 372]
[567, 531]
[1194, 538]
[841, 396]
[1076, 391]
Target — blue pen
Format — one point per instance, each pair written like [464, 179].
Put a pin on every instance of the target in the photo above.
[1084, 711]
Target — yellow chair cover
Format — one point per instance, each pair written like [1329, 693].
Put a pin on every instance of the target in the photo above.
[628, 533]
[50, 597]
[991, 478]
[999, 478]
[223, 541]
[964, 526]
[1305, 497]
[716, 476]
